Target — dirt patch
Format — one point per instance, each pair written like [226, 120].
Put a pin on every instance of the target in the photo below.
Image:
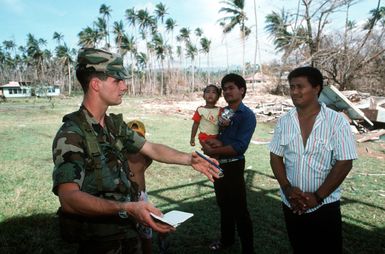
[374, 150]
[185, 105]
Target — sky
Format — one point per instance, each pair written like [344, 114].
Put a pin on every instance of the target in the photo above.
[42, 18]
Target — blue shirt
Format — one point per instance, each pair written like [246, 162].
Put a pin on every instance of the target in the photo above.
[238, 134]
[331, 139]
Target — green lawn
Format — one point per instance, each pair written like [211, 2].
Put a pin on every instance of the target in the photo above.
[27, 205]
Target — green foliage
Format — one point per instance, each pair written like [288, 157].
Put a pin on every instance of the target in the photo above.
[28, 207]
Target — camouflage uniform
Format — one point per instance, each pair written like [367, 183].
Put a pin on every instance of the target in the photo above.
[74, 165]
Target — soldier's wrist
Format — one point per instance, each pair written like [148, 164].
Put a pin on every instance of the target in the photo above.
[122, 211]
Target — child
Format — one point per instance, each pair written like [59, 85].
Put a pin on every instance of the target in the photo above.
[206, 117]
[138, 163]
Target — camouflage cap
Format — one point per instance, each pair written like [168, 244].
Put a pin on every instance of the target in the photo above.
[137, 126]
[102, 61]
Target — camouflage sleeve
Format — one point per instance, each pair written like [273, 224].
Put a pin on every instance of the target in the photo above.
[68, 156]
[134, 142]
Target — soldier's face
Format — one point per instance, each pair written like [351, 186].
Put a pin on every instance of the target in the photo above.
[112, 91]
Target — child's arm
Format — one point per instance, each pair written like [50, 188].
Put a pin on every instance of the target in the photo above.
[196, 118]
[194, 130]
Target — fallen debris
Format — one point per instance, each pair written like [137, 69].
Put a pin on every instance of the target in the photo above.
[373, 135]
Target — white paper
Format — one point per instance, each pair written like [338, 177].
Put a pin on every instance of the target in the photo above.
[173, 218]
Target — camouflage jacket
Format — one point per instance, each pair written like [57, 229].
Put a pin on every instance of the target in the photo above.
[74, 165]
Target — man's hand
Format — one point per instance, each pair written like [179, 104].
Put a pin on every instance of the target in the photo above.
[141, 212]
[297, 199]
[223, 122]
[201, 165]
[214, 143]
[311, 200]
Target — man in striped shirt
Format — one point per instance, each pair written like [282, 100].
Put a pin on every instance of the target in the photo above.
[311, 154]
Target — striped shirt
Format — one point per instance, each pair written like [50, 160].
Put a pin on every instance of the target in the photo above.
[331, 139]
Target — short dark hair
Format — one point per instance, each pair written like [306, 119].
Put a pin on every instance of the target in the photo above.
[238, 80]
[313, 75]
[218, 90]
[84, 76]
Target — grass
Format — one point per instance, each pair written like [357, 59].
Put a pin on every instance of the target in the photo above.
[27, 205]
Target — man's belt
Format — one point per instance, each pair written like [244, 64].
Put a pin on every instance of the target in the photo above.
[223, 161]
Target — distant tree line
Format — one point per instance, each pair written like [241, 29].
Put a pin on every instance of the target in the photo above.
[163, 58]
[350, 58]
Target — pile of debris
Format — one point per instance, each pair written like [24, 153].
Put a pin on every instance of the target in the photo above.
[365, 113]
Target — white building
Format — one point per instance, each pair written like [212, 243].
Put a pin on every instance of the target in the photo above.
[15, 90]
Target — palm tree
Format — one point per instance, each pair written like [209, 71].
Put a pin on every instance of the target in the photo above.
[191, 52]
[129, 46]
[64, 54]
[170, 26]
[88, 37]
[118, 30]
[106, 14]
[160, 11]
[205, 44]
[131, 17]
[222, 24]
[184, 34]
[277, 26]
[160, 50]
[236, 16]
[198, 33]
[58, 37]
[9, 45]
[141, 63]
[101, 29]
[183, 37]
[35, 54]
[147, 24]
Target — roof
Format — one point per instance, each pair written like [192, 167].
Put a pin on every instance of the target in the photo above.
[334, 99]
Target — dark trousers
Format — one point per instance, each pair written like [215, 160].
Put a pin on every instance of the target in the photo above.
[316, 232]
[124, 246]
[230, 192]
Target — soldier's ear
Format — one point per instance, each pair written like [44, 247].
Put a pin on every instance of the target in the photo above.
[95, 84]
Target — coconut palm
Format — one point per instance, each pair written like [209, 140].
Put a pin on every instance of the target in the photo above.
[277, 26]
[184, 34]
[183, 38]
[160, 11]
[88, 37]
[222, 24]
[58, 37]
[35, 54]
[129, 46]
[191, 52]
[160, 49]
[198, 34]
[141, 63]
[377, 15]
[131, 17]
[101, 29]
[205, 44]
[106, 14]
[170, 26]
[64, 54]
[9, 45]
[236, 17]
[118, 31]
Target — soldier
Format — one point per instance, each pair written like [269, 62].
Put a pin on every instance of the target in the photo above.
[99, 207]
